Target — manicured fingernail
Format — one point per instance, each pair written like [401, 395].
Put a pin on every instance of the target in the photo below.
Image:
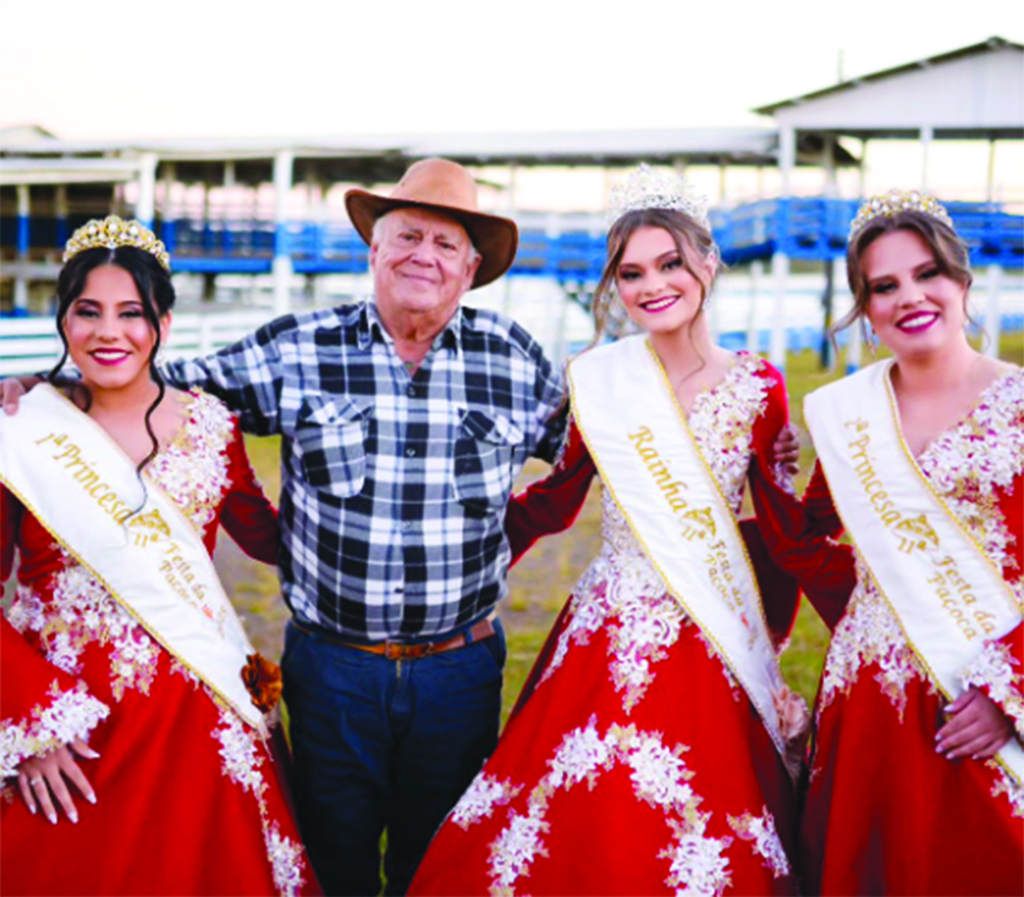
[948, 708]
[52, 817]
[89, 753]
[32, 810]
[91, 797]
[73, 816]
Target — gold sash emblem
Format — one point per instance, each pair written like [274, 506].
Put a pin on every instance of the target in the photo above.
[150, 521]
[920, 534]
[701, 523]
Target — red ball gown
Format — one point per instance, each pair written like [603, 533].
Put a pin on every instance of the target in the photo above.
[637, 765]
[885, 813]
[188, 796]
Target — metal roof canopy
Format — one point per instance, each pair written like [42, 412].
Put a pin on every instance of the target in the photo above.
[384, 158]
[973, 93]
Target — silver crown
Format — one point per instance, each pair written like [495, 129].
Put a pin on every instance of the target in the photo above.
[647, 188]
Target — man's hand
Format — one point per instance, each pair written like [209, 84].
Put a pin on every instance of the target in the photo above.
[787, 449]
[978, 728]
[13, 388]
[39, 777]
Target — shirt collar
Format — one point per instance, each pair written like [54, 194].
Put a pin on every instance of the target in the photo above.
[370, 329]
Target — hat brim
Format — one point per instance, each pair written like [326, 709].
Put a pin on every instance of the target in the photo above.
[495, 238]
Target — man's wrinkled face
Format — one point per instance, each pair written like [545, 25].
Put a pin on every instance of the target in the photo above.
[422, 263]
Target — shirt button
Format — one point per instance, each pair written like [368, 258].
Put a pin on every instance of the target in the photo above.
[410, 453]
[406, 525]
[412, 391]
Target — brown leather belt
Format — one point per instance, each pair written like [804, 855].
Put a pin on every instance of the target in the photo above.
[404, 651]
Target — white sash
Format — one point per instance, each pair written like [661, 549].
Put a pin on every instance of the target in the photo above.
[79, 484]
[649, 461]
[946, 593]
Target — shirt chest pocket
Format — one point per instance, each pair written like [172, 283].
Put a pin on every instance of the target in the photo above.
[484, 449]
[331, 438]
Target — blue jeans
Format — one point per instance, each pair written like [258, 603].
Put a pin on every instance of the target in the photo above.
[381, 745]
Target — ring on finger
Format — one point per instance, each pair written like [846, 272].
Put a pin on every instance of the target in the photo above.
[37, 781]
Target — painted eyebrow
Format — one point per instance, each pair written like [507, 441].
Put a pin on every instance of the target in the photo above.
[122, 304]
[930, 263]
[662, 257]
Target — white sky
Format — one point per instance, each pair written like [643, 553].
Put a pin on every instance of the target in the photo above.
[191, 68]
[209, 68]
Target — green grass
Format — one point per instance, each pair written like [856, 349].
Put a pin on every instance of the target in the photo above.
[542, 581]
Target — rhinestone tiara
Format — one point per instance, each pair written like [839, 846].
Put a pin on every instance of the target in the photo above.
[112, 232]
[647, 188]
[888, 205]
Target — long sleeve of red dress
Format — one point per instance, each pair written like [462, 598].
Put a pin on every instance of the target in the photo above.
[803, 541]
[247, 515]
[774, 503]
[552, 504]
[41, 706]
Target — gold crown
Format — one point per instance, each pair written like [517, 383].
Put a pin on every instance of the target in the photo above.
[112, 232]
[888, 205]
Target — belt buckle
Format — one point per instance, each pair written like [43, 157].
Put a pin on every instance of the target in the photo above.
[400, 651]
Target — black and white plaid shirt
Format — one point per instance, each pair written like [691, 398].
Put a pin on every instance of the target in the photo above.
[393, 486]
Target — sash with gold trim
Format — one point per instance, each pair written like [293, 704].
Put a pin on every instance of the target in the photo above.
[649, 461]
[84, 490]
[947, 594]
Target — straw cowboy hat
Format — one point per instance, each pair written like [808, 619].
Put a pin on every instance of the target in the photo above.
[442, 186]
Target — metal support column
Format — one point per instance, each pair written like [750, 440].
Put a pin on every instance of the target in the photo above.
[24, 244]
[780, 261]
[282, 265]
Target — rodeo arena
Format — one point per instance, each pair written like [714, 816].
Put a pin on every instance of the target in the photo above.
[256, 228]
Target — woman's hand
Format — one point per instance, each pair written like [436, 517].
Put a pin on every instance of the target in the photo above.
[978, 728]
[787, 449]
[41, 777]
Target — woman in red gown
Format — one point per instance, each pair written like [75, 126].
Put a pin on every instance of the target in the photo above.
[124, 772]
[906, 792]
[638, 764]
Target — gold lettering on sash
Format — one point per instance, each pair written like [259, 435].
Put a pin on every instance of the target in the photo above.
[915, 534]
[181, 578]
[871, 483]
[722, 579]
[695, 523]
[82, 471]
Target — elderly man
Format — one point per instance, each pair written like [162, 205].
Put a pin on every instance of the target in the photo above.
[405, 421]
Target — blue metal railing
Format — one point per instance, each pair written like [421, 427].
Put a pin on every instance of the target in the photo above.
[813, 229]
